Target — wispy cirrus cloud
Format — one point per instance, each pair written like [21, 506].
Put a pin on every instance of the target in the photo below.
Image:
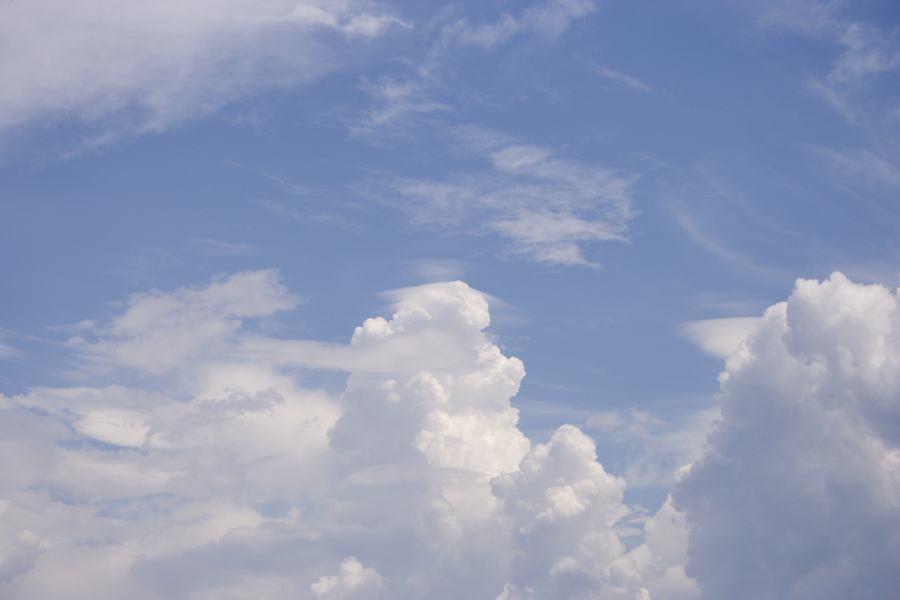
[868, 49]
[398, 101]
[863, 164]
[545, 207]
[867, 53]
[623, 79]
[544, 19]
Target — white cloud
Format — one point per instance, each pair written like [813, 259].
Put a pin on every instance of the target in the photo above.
[355, 582]
[226, 479]
[545, 207]
[152, 65]
[564, 509]
[719, 337]
[623, 79]
[799, 494]
[547, 20]
[161, 330]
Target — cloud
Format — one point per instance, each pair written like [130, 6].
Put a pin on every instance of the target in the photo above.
[545, 207]
[8, 352]
[799, 493]
[215, 247]
[863, 164]
[545, 19]
[654, 448]
[867, 54]
[719, 337]
[701, 235]
[144, 67]
[218, 475]
[400, 101]
[565, 508]
[161, 330]
[355, 582]
[622, 79]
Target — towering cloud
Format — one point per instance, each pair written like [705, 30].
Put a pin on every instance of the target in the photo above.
[799, 494]
[224, 478]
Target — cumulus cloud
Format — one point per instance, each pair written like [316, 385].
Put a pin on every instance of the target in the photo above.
[225, 478]
[798, 495]
[152, 65]
[544, 206]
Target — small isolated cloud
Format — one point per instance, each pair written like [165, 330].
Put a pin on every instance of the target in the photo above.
[798, 495]
[545, 207]
[619, 78]
[719, 337]
[214, 247]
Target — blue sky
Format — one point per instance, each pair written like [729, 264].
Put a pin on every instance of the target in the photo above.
[613, 175]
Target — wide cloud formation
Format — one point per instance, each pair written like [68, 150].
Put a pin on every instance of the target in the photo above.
[223, 476]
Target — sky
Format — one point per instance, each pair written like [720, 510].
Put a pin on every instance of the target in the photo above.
[543, 299]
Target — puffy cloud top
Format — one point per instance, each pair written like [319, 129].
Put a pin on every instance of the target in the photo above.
[228, 480]
[799, 494]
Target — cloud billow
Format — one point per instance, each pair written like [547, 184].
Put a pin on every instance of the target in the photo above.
[798, 495]
[225, 460]
[224, 477]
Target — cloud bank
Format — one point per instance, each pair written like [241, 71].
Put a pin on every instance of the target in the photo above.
[220, 474]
